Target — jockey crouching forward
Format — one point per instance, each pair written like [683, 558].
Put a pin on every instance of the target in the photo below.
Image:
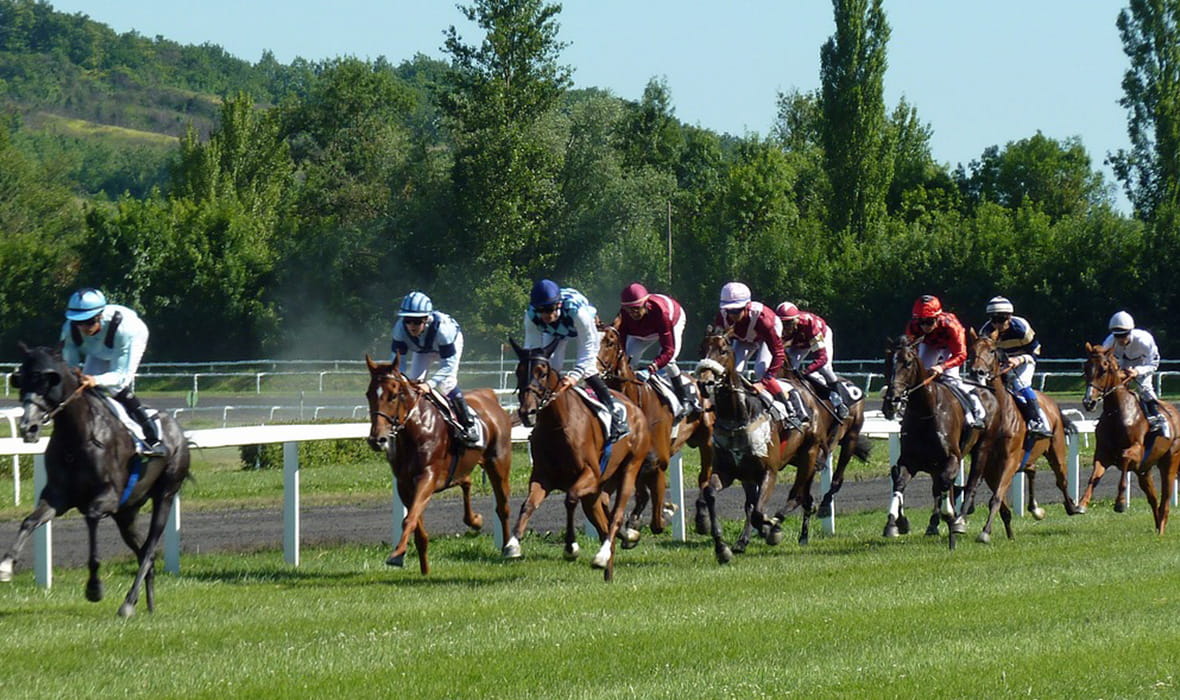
[655, 320]
[428, 335]
[561, 314]
[108, 342]
[943, 348]
[1138, 355]
[1016, 337]
[807, 340]
[757, 337]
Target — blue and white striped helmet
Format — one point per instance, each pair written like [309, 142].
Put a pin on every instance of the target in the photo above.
[415, 304]
[85, 304]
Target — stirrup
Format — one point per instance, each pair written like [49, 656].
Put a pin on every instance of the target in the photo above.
[159, 449]
[1037, 426]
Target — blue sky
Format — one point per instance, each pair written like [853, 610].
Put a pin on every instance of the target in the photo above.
[979, 73]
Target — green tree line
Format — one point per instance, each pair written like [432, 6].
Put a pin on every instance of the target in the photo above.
[298, 203]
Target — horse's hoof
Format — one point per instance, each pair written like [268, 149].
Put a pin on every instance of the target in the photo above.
[126, 610]
[670, 511]
[1077, 510]
[932, 531]
[1120, 507]
[476, 523]
[1038, 513]
[775, 537]
[825, 510]
[601, 559]
[739, 547]
[984, 538]
[512, 549]
[903, 525]
[628, 538]
[571, 551]
[958, 526]
[94, 592]
[6, 570]
[891, 531]
[724, 554]
[804, 540]
[398, 560]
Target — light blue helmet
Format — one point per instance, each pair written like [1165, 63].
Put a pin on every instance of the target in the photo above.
[415, 304]
[85, 304]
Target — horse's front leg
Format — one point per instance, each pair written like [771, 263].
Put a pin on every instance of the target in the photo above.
[945, 504]
[1096, 473]
[43, 513]
[1147, 483]
[1034, 509]
[417, 494]
[471, 519]
[897, 523]
[605, 559]
[751, 512]
[825, 506]
[701, 519]
[720, 549]
[93, 582]
[536, 494]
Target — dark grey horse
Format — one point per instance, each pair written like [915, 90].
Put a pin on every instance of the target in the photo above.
[91, 464]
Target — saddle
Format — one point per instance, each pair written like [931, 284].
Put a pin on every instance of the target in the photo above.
[452, 421]
[601, 411]
[133, 427]
[663, 389]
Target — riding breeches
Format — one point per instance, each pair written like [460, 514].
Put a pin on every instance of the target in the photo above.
[760, 354]
[931, 356]
[639, 345]
[1020, 378]
[1144, 387]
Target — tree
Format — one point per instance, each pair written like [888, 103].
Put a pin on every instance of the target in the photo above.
[857, 153]
[1150, 170]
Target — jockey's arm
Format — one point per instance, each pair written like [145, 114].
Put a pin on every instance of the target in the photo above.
[589, 339]
[121, 372]
[450, 347]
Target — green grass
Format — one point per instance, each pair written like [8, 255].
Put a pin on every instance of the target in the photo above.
[1081, 607]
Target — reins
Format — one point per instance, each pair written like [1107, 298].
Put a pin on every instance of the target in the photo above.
[58, 408]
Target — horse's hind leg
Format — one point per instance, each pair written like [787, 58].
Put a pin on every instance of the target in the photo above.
[709, 494]
[471, 519]
[94, 590]
[536, 494]
[897, 524]
[1034, 509]
[1147, 483]
[1095, 477]
[701, 519]
[145, 577]
[42, 514]
[498, 476]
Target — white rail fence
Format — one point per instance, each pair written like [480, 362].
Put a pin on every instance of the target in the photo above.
[291, 435]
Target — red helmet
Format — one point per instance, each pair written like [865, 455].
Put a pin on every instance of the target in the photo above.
[634, 294]
[927, 306]
[787, 311]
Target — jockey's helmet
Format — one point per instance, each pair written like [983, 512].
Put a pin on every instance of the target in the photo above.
[999, 305]
[415, 304]
[927, 306]
[85, 304]
[634, 294]
[735, 295]
[545, 293]
[1121, 323]
[787, 311]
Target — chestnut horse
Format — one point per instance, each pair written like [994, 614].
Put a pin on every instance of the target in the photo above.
[934, 436]
[1013, 450]
[570, 453]
[408, 426]
[91, 464]
[1122, 439]
[668, 436]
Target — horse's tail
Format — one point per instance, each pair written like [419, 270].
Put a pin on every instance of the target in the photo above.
[863, 447]
[1068, 425]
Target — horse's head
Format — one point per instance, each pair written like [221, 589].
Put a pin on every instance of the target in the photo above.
[612, 355]
[45, 383]
[717, 361]
[1102, 374]
[536, 380]
[392, 398]
[903, 372]
[986, 357]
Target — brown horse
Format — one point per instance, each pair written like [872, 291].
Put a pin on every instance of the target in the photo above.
[408, 426]
[934, 436]
[1122, 439]
[570, 453]
[1012, 449]
[668, 436]
[749, 446]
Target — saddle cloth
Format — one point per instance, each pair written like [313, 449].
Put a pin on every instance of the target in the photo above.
[663, 387]
[854, 392]
[449, 414]
[600, 411]
[131, 424]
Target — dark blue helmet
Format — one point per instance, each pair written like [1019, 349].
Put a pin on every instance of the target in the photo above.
[545, 293]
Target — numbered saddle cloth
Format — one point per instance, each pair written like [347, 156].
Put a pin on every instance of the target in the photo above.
[133, 427]
[601, 411]
[448, 412]
[663, 387]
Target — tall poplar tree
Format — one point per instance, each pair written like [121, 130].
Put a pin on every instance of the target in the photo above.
[857, 153]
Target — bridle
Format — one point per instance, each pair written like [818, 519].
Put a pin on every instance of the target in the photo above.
[618, 360]
[1089, 401]
[895, 399]
[404, 387]
[40, 400]
[543, 388]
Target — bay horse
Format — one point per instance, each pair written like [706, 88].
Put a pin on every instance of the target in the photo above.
[91, 464]
[668, 436]
[1013, 450]
[1122, 438]
[409, 428]
[934, 437]
[570, 453]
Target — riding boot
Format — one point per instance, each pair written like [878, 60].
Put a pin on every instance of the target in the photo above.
[1036, 424]
[977, 417]
[836, 396]
[135, 409]
[784, 412]
[1156, 420]
[688, 400]
[468, 433]
[618, 422]
[798, 408]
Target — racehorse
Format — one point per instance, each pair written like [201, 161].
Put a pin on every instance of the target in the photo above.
[934, 436]
[570, 453]
[407, 424]
[667, 435]
[91, 464]
[1013, 450]
[1122, 438]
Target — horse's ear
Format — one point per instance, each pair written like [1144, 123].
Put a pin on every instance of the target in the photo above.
[548, 349]
[369, 362]
[396, 361]
[709, 329]
[516, 348]
[1089, 347]
[24, 349]
[972, 336]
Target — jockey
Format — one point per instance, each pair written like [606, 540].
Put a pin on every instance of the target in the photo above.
[1015, 336]
[108, 341]
[430, 335]
[647, 319]
[562, 314]
[756, 333]
[1136, 352]
[943, 348]
[807, 340]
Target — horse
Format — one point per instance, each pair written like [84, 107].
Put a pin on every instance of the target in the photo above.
[1122, 438]
[934, 437]
[91, 464]
[1013, 449]
[570, 453]
[667, 435]
[409, 427]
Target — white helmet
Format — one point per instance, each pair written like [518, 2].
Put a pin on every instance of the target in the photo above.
[999, 305]
[1121, 322]
[734, 295]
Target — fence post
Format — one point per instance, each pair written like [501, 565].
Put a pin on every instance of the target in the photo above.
[676, 481]
[1073, 467]
[825, 483]
[1016, 493]
[42, 536]
[172, 538]
[291, 503]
